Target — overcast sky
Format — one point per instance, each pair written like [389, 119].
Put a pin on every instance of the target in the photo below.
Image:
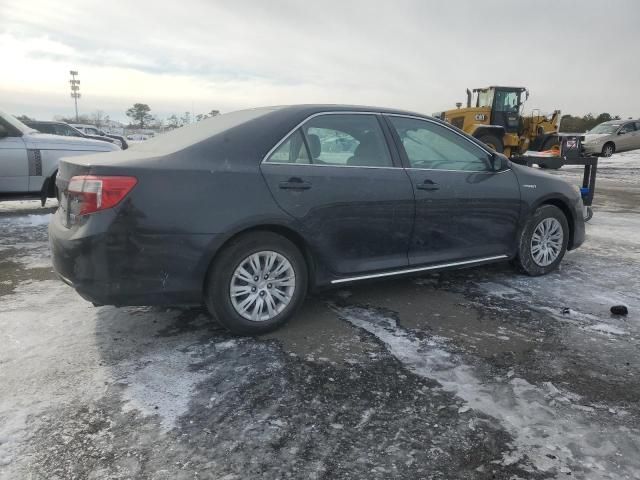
[198, 55]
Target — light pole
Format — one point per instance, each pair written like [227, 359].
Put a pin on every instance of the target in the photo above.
[75, 89]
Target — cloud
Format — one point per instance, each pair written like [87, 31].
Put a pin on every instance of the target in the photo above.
[412, 54]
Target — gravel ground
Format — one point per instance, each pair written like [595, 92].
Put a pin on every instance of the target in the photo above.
[479, 373]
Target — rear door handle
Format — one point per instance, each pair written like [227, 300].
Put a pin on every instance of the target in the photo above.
[295, 183]
[427, 185]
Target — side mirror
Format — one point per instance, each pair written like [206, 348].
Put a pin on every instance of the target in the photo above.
[499, 162]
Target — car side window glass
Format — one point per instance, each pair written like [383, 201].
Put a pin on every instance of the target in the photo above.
[351, 140]
[432, 146]
[61, 130]
[292, 150]
[627, 128]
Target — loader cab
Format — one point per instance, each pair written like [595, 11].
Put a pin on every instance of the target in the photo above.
[505, 104]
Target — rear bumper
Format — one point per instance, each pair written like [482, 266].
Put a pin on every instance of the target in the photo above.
[119, 267]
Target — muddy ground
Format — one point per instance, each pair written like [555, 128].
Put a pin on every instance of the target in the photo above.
[480, 374]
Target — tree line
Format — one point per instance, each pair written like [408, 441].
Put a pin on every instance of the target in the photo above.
[571, 124]
[141, 117]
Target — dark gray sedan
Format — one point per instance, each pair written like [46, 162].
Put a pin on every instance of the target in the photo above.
[247, 211]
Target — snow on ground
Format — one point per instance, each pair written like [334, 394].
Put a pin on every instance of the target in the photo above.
[548, 429]
[25, 205]
[29, 251]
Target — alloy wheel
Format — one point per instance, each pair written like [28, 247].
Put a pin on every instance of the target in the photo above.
[546, 242]
[262, 286]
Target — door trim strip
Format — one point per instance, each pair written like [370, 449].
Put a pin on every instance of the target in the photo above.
[418, 269]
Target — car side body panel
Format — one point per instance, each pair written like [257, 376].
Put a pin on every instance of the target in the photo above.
[357, 219]
[470, 215]
[538, 188]
[14, 165]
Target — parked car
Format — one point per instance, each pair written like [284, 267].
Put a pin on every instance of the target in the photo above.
[614, 136]
[95, 131]
[249, 210]
[64, 129]
[137, 137]
[29, 159]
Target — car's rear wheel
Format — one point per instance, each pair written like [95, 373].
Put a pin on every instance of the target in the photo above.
[544, 241]
[256, 283]
[608, 149]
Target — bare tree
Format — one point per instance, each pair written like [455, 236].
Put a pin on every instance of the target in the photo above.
[173, 121]
[99, 118]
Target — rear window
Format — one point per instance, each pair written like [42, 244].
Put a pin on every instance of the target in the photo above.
[184, 137]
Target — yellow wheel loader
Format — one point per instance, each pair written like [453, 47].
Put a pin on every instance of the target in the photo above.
[494, 115]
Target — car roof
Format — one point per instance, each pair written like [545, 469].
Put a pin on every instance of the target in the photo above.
[323, 108]
[618, 122]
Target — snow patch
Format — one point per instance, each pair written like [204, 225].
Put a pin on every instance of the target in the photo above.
[539, 427]
[606, 328]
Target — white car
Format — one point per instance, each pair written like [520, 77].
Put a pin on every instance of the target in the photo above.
[137, 137]
[29, 159]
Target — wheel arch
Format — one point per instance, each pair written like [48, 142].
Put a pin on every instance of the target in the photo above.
[284, 231]
[564, 207]
[479, 130]
[611, 142]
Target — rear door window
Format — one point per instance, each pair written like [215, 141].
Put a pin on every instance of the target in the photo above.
[353, 140]
[435, 147]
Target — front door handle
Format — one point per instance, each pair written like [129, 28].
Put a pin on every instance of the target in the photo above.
[427, 185]
[295, 183]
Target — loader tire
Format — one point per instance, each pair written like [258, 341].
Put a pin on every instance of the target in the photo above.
[492, 142]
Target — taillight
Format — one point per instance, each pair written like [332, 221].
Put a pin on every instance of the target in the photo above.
[92, 193]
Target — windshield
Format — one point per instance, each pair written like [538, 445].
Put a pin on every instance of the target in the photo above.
[14, 122]
[605, 128]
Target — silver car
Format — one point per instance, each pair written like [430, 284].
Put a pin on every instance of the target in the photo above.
[614, 136]
[29, 159]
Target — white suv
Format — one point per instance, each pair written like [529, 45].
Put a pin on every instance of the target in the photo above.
[29, 159]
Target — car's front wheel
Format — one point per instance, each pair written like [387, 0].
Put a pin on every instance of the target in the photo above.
[256, 283]
[608, 149]
[544, 241]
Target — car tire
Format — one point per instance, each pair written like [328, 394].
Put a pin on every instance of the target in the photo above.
[532, 257]
[608, 149]
[228, 287]
[492, 142]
